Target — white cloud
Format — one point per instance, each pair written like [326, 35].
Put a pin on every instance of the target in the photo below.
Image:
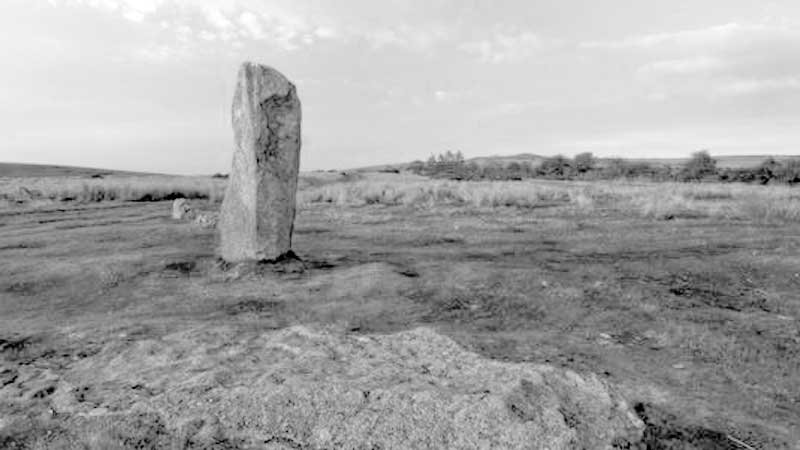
[730, 60]
[447, 96]
[505, 47]
[704, 36]
[421, 38]
[758, 86]
[133, 10]
[287, 24]
[133, 16]
[216, 18]
[325, 32]
[682, 66]
[252, 25]
[726, 37]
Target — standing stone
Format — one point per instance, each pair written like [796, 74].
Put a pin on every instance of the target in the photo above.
[257, 217]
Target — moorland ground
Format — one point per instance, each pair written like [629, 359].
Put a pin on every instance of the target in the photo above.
[687, 296]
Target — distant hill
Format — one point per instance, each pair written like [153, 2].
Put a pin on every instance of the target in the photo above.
[724, 161]
[479, 160]
[20, 170]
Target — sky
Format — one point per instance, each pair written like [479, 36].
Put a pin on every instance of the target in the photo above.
[147, 85]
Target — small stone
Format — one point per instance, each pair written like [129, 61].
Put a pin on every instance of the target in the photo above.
[180, 208]
[678, 366]
[206, 220]
[258, 211]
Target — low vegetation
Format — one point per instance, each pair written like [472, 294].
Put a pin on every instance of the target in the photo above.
[117, 188]
[683, 295]
[584, 166]
[663, 201]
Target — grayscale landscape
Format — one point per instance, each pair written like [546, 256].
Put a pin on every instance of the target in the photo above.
[288, 225]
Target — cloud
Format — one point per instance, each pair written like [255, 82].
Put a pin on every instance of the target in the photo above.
[418, 38]
[504, 46]
[758, 86]
[287, 25]
[683, 66]
[729, 60]
[133, 10]
[728, 38]
[703, 36]
[447, 96]
[216, 18]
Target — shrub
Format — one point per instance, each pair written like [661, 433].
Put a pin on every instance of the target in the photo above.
[699, 166]
[584, 162]
[557, 167]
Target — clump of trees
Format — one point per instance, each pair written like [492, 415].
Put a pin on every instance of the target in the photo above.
[584, 166]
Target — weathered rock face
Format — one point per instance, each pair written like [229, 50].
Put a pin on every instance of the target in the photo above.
[257, 216]
[308, 388]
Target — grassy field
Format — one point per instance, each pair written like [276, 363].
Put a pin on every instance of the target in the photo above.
[687, 296]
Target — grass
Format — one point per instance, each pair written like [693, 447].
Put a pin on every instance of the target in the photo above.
[659, 201]
[685, 296]
[136, 188]
[117, 188]
[664, 201]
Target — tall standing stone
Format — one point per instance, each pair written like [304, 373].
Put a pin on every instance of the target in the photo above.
[257, 216]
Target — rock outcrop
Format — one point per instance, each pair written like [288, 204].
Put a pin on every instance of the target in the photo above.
[257, 216]
[307, 388]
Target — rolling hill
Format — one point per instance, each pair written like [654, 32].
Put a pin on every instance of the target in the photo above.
[22, 170]
[723, 161]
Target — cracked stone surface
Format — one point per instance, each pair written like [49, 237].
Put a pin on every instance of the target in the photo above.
[316, 388]
[258, 212]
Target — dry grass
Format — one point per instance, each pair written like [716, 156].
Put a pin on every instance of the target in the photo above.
[661, 201]
[657, 201]
[118, 188]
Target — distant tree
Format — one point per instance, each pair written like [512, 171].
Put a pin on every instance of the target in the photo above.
[620, 168]
[472, 171]
[790, 172]
[446, 165]
[416, 167]
[514, 171]
[768, 170]
[555, 167]
[492, 171]
[584, 162]
[699, 166]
